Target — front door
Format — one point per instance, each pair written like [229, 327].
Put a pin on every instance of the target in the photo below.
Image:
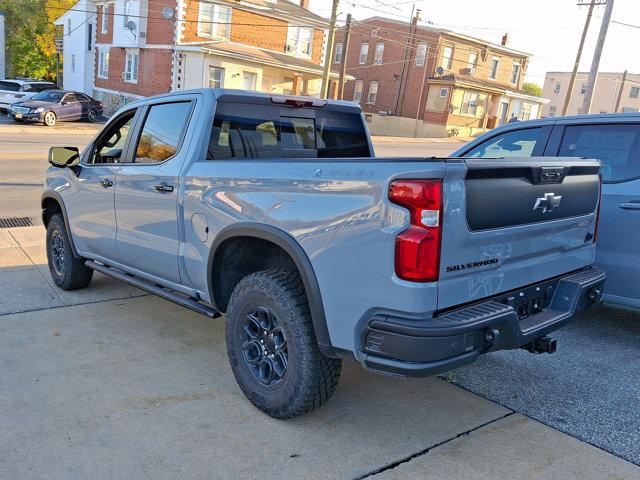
[249, 80]
[617, 146]
[146, 198]
[90, 205]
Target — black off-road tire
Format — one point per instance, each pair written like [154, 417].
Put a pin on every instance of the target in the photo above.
[67, 271]
[309, 378]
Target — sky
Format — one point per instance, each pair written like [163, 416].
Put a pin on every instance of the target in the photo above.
[548, 29]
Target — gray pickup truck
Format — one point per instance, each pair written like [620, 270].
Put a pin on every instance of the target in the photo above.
[275, 211]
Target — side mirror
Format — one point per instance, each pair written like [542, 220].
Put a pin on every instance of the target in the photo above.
[64, 156]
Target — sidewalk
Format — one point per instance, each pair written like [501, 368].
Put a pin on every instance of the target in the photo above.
[385, 139]
[108, 382]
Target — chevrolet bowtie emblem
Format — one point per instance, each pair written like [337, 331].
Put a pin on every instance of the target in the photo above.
[548, 202]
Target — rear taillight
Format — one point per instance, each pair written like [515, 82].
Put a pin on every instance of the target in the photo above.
[595, 231]
[418, 247]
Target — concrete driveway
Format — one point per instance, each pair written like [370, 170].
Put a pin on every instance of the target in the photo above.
[110, 383]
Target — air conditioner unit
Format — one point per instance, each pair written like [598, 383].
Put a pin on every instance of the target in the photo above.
[466, 71]
[143, 34]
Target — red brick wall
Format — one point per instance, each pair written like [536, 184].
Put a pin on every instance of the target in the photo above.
[154, 72]
[160, 31]
[395, 37]
[107, 37]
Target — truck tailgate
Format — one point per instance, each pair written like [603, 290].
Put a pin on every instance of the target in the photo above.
[509, 223]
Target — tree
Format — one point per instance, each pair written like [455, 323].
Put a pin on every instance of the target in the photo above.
[30, 41]
[532, 89]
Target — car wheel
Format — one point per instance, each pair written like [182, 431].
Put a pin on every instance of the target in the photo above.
[50, 119]
[92, 115]
[67, 271]
[272, 346]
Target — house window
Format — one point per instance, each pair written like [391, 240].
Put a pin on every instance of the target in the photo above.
[557, 88]
[515, 73]
[299, 41]
[89, 37]
[105, 19]
[131, 66]
[443, 93]
[525, 112]
[377, 56]
[635, 92]
[373, 92]
[552, 111]
[421, 54]
[493, 69]
[216, 77]
[357, 91]
[73, 63]
[337, 57]
[472, 62]
[447, 57]
[214, 20]
[103, 63]
[249, 80]
[364, 53]
[583, 89]
[469, 103]
[127, 11]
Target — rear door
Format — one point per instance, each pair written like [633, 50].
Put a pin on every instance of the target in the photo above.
[511, 222]
[146, 198]
[617, 146]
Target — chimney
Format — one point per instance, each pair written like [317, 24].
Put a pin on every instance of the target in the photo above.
[304, 4]
[505, 40]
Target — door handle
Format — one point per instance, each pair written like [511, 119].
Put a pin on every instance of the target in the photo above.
[106, 183]
[164, 187]
[629, 205]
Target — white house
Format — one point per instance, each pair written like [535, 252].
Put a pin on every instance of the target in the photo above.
[79, 23]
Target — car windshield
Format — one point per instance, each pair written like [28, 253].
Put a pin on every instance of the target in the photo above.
[48, 96]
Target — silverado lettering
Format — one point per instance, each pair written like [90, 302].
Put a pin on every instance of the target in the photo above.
[465, 266]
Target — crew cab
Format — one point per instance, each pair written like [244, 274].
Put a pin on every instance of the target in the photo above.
[275, 211]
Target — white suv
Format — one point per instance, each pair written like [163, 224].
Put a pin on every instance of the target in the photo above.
[21, 89]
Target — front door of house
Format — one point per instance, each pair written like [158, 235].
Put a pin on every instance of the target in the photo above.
[249, 80]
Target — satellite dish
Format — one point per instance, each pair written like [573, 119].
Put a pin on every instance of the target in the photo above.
[167, 13]
[440, 71]
[131, 26]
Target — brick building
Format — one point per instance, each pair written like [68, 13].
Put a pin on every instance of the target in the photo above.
[274, 46]
[146, 47]
[415, 80]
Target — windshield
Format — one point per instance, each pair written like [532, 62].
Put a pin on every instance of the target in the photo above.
[48, 96]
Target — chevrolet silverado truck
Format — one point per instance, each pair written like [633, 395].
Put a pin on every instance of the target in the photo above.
[274, 211]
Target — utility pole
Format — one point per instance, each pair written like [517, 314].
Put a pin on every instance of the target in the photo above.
[329, 56]
[624, 79]
[576, 65]
[593, 74]
[345, 51]
[406, 57]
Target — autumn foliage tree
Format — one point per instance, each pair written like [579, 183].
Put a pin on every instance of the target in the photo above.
[30, 36]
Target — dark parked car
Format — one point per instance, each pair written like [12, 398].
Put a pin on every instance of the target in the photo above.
[614, 139]
[51, 106]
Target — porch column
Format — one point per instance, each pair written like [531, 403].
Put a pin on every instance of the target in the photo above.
[492, 114]
[297, 85]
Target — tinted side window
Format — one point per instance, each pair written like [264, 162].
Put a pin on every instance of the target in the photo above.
[10, 86]
[616, 146]
[162, 132]
[518, 143]
[39, 87]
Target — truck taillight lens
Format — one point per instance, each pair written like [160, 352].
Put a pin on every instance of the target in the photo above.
[417, 256]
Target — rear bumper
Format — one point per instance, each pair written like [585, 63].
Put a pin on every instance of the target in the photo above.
[414, 347]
